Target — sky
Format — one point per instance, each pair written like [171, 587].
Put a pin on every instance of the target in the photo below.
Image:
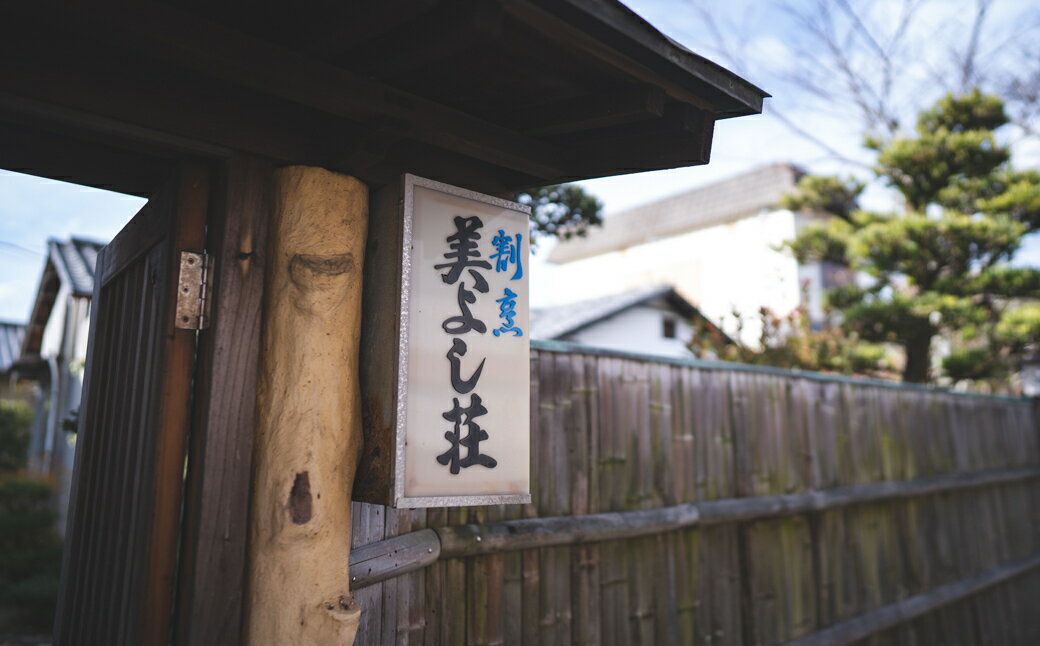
[756, 38]
[32, 210]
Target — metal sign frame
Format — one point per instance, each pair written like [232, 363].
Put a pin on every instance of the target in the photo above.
[380, 480]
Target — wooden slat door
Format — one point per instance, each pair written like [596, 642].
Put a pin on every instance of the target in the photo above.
[118, 574]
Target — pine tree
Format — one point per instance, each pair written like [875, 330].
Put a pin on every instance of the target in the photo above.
[940, 266]
[562, 211]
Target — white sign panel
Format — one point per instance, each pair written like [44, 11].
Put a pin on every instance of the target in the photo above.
[463, 411]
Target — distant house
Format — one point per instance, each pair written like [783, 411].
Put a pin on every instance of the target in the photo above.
[11, 336]
[648, 320]
[53, 352]
[718, 245]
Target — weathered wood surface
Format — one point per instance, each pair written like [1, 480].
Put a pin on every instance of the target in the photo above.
[376, 562]
[593, 90]
[802, 501]
[533, 533]
[119, 567]
[904, 611]
[308, 436]
[213, 561]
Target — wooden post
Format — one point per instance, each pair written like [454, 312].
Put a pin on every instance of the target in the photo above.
[309, 416]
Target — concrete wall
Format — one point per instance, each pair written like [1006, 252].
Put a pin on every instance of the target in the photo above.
[721, 269]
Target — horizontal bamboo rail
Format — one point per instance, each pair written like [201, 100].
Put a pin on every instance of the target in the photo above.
[890, 616]
[392, 557]
[382, 560]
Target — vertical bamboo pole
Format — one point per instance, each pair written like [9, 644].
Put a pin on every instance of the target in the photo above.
[309, 421]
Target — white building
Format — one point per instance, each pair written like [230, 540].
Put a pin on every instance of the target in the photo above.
[719, 245]
[11, 336]
[53, 353]
[648, 320]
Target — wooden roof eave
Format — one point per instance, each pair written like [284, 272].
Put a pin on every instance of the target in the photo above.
[213, 50]
[46, 295]
[610, 30]
[281, 100]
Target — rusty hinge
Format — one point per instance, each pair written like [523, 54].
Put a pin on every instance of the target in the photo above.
[193, 293]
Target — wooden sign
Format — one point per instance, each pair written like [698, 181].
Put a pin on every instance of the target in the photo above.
[445, 349]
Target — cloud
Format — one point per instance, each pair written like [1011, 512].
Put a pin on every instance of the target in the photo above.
[33, 209]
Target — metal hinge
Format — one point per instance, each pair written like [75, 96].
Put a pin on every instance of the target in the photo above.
[193, 291]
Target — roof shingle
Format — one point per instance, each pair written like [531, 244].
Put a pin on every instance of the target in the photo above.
[75, 259]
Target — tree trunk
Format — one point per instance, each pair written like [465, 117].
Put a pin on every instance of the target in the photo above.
[309, 419]
[918, 359]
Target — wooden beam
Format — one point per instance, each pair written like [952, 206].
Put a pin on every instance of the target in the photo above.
[442, 165]
[633, 153]
[65, 158]
[563, 31]
[170, 117]
[366, 21]
[66, 82]
[43, 303]
[616, 107]
[683, 134]
[368, 155]
[214, 544]
[460, 541]
[612, 33]
[532, 533]
[458, 28]
[218, 52]
[379, 156]
[173, 417]
[379, 351]
[676, 119]
[375, 562]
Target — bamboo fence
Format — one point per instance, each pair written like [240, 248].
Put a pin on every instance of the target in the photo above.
[690, 502]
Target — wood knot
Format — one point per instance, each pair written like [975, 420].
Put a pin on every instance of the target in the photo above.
[306, 267]
[300, 504]
[343, 604]
[321, 282]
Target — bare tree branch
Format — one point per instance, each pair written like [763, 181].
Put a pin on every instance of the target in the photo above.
[881, 69]
[843, 48]
[726, 48]
[815, 139]
[968, 62]
[863, 31]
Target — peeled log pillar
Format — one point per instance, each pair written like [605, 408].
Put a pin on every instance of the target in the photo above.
[309, 421]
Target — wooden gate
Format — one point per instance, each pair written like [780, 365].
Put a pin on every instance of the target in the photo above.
[119, 567]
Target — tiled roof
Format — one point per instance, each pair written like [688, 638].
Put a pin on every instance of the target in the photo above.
[75, 260]
[11, 335]
[69, 262]
[718, 203]
[555, 322]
